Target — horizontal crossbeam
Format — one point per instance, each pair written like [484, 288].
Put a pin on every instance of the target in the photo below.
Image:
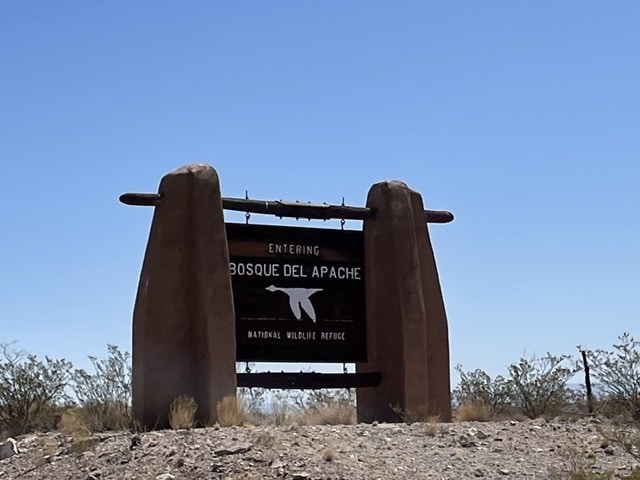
[280, 208]
[303, 381]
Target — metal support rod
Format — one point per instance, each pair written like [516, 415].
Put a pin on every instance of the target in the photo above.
[282, 208]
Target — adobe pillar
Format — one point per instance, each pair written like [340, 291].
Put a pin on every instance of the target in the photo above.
[183, 322]
[407, 334]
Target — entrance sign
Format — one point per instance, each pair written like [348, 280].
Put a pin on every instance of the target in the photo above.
[211, 294]
[298, 293]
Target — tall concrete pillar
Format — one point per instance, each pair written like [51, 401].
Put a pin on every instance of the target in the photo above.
[407, 334]
[183, 322]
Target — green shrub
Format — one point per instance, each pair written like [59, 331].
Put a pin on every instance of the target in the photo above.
[535, 387]
[105, 396]
[31, 391]
[478, 388]
[618, 375]
[540, 384]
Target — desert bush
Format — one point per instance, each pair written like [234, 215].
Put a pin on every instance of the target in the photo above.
[477, 388]
[540, 384]
[254, 401]
[337, 414]
[230, 412]
[314, 407]
[105, 396]
[72, 423]
[182, 412]
[325, 398]
[31, 391]
[328, 407]
[473, 412]
[618, 375]
[534, 387]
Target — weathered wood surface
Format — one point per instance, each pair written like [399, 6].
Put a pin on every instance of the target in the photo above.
[280, 208]
[140, 199]
[286, 380]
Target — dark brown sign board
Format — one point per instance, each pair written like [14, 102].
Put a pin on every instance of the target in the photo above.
[298, 293]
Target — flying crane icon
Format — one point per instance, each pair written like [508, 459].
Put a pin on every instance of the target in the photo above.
[298, 297]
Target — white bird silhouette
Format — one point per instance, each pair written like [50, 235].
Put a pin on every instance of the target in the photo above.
[298, 297]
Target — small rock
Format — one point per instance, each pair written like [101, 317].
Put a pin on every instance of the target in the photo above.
[300, 476]
[466, 442]
[609, 451]
[478, 472]
[480, 435]
[503, 471]
[8, 449]
[277, 463]
[165, 476]
[135, 442]
[232, 450]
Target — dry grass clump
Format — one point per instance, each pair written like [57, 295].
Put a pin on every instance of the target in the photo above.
[329, 453]
[337, 414]
[182, 412]
[434, 427]
[473, 412]
[231, 411]
[106, 416]
[72, 423]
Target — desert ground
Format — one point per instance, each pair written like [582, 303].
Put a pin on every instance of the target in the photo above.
[531, 449]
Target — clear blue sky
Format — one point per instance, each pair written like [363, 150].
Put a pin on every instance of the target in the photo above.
[522, 118]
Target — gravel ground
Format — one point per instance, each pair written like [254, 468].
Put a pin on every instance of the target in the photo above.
[509, 449]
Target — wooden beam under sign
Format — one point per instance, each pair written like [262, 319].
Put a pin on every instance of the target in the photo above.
[280, 208]
[286, 380]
